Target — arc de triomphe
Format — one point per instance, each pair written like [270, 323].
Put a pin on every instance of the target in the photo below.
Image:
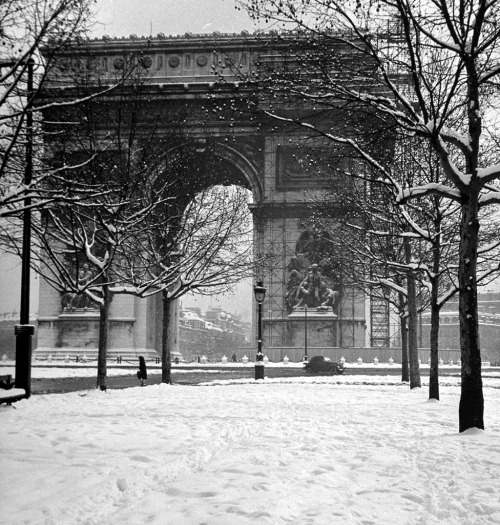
[188, 71]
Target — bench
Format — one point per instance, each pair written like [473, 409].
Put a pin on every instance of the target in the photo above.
[8, 392]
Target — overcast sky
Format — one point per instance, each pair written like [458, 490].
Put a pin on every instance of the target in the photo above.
[172, 17]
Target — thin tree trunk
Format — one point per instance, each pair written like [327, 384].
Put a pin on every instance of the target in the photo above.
[405, 372]
[435, 308]
[412, 334]
[471, 410]
[166, 339]
[412, 323]
[434, 347]
[102, 354]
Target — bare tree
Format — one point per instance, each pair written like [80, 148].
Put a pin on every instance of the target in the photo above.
[33, 34]
[203, 252]
[35, 38]
[364, 223]
[431, 70]
[153, 222]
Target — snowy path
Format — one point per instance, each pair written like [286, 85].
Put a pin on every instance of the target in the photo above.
[319, 453]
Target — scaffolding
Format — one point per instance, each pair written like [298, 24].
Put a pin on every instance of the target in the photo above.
[275, 240]
[379, 322]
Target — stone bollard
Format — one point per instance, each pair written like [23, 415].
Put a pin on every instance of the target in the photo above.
[360, 361]
[49, 359]
[84, 358]
[391, 361]
[266, 360]
[286, 360]
[441, 362]
[4, 357]
[224, 360]
[203, 360]
[375, 361]
[342, 360]
[66, 358]
[244, 360]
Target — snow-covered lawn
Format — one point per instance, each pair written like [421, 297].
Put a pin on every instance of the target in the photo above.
[293, 451]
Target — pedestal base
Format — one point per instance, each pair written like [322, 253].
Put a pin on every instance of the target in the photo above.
[76, 334]
[313, 313]
[321, 326]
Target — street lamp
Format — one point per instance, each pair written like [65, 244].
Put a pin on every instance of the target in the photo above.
[260, 293]
[305, 334]
[24, 331]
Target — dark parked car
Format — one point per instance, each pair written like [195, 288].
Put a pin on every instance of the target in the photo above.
[318, 363]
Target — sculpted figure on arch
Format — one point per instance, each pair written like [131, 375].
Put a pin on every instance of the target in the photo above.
[309, 287]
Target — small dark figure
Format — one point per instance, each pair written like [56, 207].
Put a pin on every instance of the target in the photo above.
[199, 360]
[234, 358]
[176, 360]
[142, 373]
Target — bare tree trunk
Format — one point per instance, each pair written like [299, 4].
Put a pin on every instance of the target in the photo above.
[412, 334]
[434, 347]
[166, 339]
[435, 308]
[103, 338]
[471, 410]
[412, 323]
[405, 373]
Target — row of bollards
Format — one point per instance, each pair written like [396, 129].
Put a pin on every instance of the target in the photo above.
[391, 362]
[261, 360]
[245, 360]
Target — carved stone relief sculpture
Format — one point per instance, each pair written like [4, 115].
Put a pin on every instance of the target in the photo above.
[310, 284]
[71, 301]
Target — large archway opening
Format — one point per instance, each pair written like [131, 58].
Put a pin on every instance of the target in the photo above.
[215, 321]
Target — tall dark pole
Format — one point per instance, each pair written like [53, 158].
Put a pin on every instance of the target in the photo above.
[305, 334]
[259, 336]
[24, 330]
[260, 293]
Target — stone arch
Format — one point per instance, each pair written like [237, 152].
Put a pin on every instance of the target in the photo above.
[244, 171]
[245, 167]
[254, 158]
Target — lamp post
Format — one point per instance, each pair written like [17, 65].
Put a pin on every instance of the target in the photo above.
[24, 331]
[260, 293]
[305, 333]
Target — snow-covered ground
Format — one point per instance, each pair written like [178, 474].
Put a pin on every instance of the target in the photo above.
[290, 451]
